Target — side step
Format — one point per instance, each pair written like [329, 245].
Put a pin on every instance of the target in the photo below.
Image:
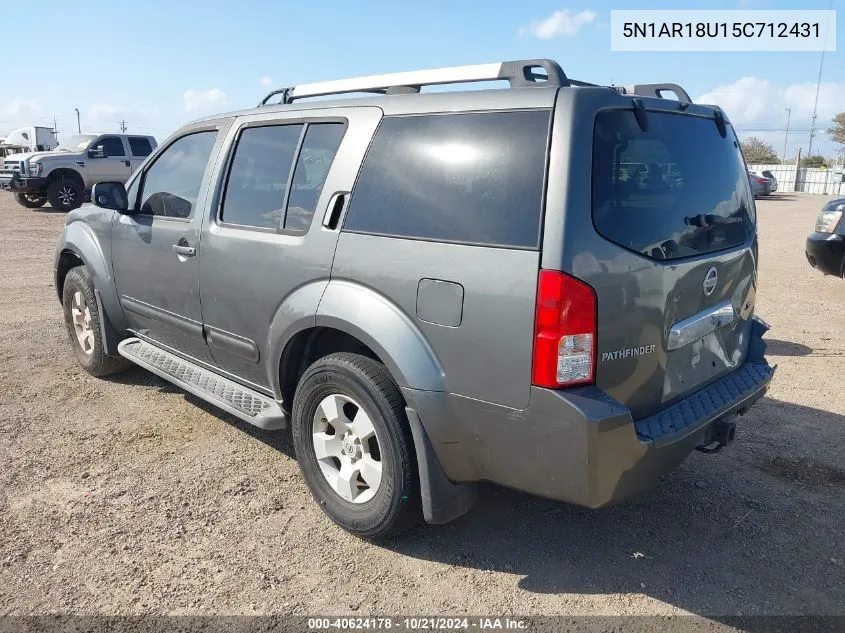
[250, 406]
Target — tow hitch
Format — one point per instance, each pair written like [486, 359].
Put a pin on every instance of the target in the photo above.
[722, 433]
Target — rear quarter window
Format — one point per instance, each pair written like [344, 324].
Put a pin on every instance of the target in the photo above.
[473, 178]
[677, 190]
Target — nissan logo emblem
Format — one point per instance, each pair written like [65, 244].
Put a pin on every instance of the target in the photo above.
[710, 281]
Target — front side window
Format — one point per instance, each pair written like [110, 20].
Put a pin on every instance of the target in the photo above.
[474, 178]
[112, 146]
[171, 185]
[677, 190]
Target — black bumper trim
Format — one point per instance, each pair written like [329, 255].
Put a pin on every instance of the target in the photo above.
[732, 391]
[22, 184]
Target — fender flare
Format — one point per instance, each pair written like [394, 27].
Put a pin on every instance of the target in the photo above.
[385, 328]
[78, 239]
[297, 312]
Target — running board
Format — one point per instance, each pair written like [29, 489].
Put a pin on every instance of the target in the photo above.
[243, 402]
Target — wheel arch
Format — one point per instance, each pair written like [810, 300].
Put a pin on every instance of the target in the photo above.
[79, 246]
[66, 173]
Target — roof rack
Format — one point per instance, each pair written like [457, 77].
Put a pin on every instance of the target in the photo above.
[655, 90]
[519, 74]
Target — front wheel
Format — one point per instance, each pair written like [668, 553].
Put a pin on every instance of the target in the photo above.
[65, 194]
[354, 446]
[82, 319]
[31, 200]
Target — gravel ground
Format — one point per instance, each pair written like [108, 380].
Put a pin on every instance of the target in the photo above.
[127, 496]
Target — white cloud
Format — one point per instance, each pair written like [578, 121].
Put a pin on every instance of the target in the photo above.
[266, 81]
[757, 107]
[199, 100]
[561, 23]
[18, 109]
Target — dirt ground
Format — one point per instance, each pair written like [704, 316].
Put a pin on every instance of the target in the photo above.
[127, 496]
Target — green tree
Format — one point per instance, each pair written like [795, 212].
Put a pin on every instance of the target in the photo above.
[836, 131]
[814, 160]
[757, 152]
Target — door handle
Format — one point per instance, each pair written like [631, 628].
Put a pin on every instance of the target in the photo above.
[184, 250]
[337, 203]
[127, 163]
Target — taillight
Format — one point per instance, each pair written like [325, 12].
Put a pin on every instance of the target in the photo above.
[760, 181]
[564, 331]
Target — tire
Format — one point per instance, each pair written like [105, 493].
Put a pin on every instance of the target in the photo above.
[77, 292]
[65, 194]
[375, 512]
[31, 200]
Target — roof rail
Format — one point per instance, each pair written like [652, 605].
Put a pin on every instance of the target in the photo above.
[655, 90]
[519, 74]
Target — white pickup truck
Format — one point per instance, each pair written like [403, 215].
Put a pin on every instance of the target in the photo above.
[64, 175]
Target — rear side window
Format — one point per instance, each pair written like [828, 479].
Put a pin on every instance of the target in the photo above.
[140, 146]
[319, 147]
[470, 178]
[677, 190]
[258, 179]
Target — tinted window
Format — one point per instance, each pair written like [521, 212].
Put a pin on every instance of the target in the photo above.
[470, 178]
[112, 145]
[140, 146]
[258, 178]
[677, 190]
[171, 185]
[318, 151]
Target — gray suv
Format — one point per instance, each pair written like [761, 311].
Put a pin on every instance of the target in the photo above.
[437, 289]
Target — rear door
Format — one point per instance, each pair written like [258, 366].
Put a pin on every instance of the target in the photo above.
[265, 238]
[670, 253]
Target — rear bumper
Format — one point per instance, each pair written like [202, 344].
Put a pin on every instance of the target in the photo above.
[580, 445]
[826, 252]
[21, 184]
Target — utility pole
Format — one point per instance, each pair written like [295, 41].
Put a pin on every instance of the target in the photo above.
[78, 126]
[55, 130]
[818, 85]
[786, 136]
[123, 126]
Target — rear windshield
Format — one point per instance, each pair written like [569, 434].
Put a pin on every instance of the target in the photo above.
[677, 190]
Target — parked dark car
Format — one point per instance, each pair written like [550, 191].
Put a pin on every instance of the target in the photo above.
[825, 247]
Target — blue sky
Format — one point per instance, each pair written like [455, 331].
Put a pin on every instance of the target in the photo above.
[158, 64]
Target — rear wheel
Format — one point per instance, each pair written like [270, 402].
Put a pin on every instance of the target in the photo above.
[82, 319]
[65, 194]
[354, 446]
[31, 200]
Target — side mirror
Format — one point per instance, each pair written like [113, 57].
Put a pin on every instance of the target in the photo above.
[97, 152]
[110, 195]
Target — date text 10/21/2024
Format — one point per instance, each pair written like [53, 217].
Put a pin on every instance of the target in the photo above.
[417, 623]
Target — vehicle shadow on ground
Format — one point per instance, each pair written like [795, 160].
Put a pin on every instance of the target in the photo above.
[279, 440]
[48, 209]
[779, 197]
[751, 530]
[776, 347]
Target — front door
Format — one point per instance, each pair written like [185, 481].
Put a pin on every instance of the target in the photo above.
[155, 247]
[114, 166]
[265, 238]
